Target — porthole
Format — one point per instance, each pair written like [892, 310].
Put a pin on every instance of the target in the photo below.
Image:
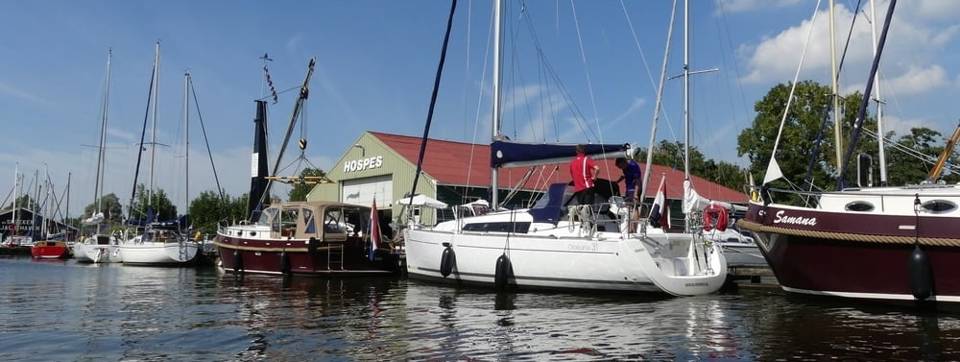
[938, 206]
[859, 206]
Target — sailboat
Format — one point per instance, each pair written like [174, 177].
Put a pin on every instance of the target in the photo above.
[894, 244]
[555, 246]
[160, 243]
[13, 240]
[99, 247]
[49, 247]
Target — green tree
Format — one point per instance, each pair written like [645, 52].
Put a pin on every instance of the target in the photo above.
[24, 201]
[301, 189]
[207, 209]
[670, 154]
[803, 124]
[109, 205]
[162, 207]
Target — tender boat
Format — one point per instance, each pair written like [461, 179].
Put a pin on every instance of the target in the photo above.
[50, 249]
[305, 238]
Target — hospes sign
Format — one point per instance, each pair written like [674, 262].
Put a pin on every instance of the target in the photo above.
[368, 163]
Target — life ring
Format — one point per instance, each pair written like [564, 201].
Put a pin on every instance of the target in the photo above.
[715, 216]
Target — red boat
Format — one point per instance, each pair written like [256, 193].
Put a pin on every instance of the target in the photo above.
[49, 249]
[311, 238]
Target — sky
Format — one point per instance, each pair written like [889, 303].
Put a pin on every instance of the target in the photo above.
[574, 71]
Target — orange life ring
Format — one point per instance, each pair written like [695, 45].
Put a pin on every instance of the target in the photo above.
[715, 216]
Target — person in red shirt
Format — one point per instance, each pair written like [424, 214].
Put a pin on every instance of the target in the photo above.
[584, 172]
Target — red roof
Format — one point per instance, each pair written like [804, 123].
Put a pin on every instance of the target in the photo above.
[449, 162]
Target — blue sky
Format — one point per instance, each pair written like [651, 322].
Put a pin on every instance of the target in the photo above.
[376, 61]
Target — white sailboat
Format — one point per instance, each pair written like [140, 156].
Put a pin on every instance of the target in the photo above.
[99, 247]
[552, 246]
[161, 243]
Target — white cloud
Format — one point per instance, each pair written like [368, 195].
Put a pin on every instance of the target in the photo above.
[635, 106]
[16, 92]
[911, 41]
[918, 80]
[903, 126]
[737, 6]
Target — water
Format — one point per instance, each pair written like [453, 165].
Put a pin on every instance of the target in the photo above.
[67, 311]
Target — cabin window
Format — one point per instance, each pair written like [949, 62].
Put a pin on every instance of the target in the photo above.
[938, 206]
[309, 226]
[499, 227]
[288, 221]
[860, 206]
[267, 216]
[333, 221]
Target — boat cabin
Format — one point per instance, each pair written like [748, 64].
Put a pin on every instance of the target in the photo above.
[322, 220]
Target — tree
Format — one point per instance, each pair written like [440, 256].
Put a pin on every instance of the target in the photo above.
[158, 201]
[207, 209]
[804, 125]
[301, 189]
[109, 205]
[670, 154]
[24, 201]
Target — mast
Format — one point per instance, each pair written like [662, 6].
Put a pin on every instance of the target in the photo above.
[878, 99]
[656, 111]
[101, 154]
[686, 90]
[494, 174]
[186, 138]
[258, 163]
[153, 133]
[837, 132]
[16, 195]
[66, 214]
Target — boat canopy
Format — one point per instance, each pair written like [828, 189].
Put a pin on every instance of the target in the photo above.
[512, 154]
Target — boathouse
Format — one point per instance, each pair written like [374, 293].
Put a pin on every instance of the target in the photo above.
[381, 166]
[27, 223]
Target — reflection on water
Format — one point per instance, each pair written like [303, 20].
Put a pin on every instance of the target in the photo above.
[68, 311]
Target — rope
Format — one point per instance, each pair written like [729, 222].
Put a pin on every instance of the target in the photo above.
[866, 238]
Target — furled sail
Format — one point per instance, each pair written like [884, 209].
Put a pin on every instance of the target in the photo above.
[513, 154]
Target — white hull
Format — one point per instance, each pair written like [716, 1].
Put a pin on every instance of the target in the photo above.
[92, 253]
[657, 262]
[157, 253]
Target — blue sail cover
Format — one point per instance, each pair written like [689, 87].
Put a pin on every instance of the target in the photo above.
[511, 154]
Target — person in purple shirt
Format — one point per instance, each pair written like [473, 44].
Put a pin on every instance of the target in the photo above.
[631, 174]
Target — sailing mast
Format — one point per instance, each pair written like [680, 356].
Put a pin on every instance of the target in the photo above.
[16, 195]
[186, 138]
[101, 154]
[686, 90]
[878, 99]
[494, 174]
[659, 103]
[153, 133]
[837, 132]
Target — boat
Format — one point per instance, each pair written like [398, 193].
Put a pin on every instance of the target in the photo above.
[99, 247]
[890, 244]
[50, 249]
[299, 238]
[559, 247]
[160, 243]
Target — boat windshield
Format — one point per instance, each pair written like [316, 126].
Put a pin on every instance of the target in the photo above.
[266, 217]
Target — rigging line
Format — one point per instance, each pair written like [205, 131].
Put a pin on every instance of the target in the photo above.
[466, 73]
[736, 64]
[476, 120]
[143, 133]
[636, 41]
[278, 93]
[206, 141]
[433, 102]
[908, 150]
[793, 87]
[593, 101]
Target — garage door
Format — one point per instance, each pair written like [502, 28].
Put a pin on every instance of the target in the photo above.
[362, 191]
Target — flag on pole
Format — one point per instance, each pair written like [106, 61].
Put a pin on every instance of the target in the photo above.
[660, 211]
[374, 230]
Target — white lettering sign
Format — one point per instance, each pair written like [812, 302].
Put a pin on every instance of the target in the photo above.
[254, 162]
[363, 164]
[781, 218]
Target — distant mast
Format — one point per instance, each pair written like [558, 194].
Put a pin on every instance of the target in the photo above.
[494, 174]
[878, 99]
[101, 154]
[153, 134]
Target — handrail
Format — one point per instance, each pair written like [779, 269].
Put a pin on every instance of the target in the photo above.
[876, 194]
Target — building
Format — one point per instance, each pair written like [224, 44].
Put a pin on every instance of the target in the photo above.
[381, 166]
[27, 225]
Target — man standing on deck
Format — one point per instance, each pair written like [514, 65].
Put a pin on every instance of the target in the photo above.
[631, 174]
[583, 172]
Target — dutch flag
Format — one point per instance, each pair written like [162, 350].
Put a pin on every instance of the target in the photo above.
[374, 230]
[660, 211]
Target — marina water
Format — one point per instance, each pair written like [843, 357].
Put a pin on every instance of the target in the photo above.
[62, 310]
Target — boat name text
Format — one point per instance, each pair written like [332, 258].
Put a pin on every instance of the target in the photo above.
[781, 218]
